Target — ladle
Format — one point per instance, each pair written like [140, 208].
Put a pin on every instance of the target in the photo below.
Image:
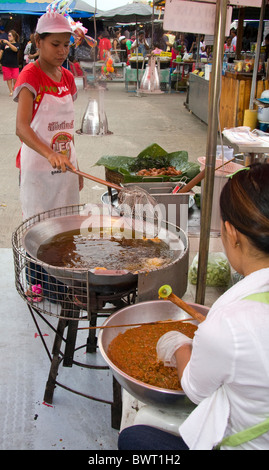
[131, 201]
[165, 293]
[94, 178]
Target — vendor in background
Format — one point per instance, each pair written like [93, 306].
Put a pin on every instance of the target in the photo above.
[228, 46]
[9, 59]
[171, 40]
[202, 45]
[234, 37]
[116, 47]
[104, 45]
[208, 53]
[266, 43]
[166, 42]
[174, 54]
[140, 46]
[193, 48]
[123, 48]
[225, 368]
[182, 42]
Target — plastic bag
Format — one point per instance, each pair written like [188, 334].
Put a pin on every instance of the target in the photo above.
[218, 270]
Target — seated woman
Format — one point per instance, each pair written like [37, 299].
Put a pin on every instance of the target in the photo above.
[225, 368]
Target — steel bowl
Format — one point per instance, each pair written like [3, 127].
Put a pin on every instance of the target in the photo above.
[142, 313]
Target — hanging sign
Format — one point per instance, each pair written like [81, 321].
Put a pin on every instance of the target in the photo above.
[192, 17]
[247, 3]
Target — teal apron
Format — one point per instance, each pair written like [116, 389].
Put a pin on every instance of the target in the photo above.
[254, 431]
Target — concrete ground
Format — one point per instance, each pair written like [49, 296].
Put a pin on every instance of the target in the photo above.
[73, 422]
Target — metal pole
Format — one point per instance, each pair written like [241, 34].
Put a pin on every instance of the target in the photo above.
[95, 37]
[257, 55]
[214, 95]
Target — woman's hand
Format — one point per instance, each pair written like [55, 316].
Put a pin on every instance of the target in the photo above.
[60, 161]
[167, 346]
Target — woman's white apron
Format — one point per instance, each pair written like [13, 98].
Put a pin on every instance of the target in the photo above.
[43, 187]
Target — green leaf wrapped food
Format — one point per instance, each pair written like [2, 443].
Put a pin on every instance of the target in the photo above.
[152, 156]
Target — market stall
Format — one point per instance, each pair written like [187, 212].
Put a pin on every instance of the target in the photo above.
[234, 99]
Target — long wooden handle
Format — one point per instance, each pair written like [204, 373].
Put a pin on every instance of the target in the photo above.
[161, 322]
[198, 178]
[186, 307]
[94, 178]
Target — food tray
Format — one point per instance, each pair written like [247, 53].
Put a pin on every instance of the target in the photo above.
[117, 178]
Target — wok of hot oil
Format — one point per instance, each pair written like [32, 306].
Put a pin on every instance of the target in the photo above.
[74, 249]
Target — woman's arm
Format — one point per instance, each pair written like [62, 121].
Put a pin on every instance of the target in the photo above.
[33, 56]
[29, 137]
[12, 46]
[183, 355]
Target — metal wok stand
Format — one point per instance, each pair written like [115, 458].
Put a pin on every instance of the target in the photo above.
[66, 334]
[70, 305]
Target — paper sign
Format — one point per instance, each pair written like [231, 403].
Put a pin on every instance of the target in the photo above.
[247, 3]
[192, 17]
[243, 3]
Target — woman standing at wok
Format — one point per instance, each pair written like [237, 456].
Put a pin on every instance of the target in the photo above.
[45, 92]
[225, 368]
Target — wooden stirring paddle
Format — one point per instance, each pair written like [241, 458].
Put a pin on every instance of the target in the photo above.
[159, 322]
[165, 293]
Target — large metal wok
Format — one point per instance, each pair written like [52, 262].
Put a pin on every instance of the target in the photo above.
[144, 312]
[42, 230]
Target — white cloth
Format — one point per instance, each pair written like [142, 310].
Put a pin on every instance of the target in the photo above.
[168, 344]
[234, 41]
[209, 419]
[43, 187]
[230, 364]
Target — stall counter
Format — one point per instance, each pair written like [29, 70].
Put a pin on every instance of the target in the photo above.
[234, 100]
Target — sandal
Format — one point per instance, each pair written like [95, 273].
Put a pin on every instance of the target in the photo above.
[34, 294]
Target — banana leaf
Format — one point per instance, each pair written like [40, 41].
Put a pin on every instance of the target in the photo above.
[152, 155]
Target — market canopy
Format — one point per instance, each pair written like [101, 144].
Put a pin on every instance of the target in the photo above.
[79, 8]
[130, 13]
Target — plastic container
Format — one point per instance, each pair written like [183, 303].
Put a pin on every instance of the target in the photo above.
[219, 182]
[263, 114]
[208, 70]
[228, 152]
[263, 126]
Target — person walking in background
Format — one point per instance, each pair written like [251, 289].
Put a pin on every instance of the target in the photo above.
[30, 52]
[104, 46]
[9, 59]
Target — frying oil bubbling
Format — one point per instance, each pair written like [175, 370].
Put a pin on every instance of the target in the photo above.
[73, 249]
